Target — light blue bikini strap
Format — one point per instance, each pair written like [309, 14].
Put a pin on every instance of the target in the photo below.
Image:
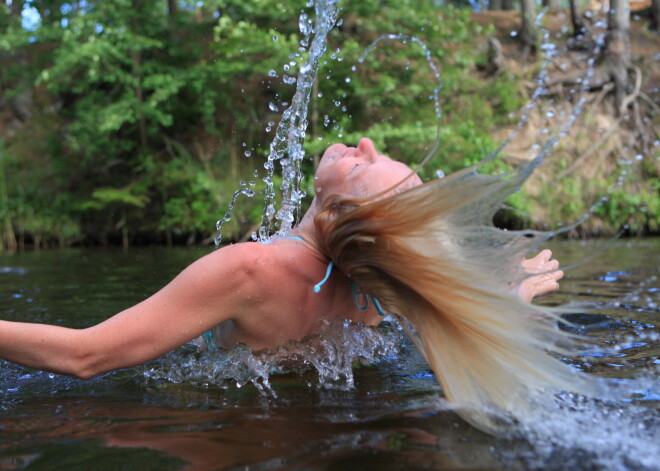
[317, 286]
[354, 288]
[209, 339]
[356, 293]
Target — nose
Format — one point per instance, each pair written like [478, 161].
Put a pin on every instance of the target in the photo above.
[367, 149]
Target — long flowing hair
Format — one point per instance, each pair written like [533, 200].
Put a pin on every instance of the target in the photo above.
[431, 256]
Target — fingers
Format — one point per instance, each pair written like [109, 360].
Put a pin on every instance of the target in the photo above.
[545, 254]
[545, 275]
[541, 262]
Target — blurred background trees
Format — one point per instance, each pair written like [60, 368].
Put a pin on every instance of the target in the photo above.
[134, 121]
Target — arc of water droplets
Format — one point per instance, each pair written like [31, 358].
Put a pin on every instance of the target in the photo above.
[549, 50]
[287, 146]
[243, 190]
[404, 38]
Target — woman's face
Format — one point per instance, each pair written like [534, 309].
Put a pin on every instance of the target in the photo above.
[359, 172]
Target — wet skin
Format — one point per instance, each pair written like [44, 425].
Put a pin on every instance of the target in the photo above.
[258, 294]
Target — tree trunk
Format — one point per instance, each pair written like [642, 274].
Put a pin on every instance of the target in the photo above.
[172, 7]
[528, 31]
[495, 5]
[233, 153]
[172, 15]
[617, 50]
[139, 96]
[8, 240]
[16, 7]
[655, 15]
[576, 21]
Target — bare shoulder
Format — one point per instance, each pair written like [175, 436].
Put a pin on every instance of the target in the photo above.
[229, 266]
[249, 263]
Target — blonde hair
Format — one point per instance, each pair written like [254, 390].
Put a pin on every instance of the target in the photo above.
[432, 255]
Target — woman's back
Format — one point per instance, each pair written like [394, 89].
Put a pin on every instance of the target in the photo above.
[288, 308]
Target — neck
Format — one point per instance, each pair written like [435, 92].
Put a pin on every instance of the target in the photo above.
[306, 229]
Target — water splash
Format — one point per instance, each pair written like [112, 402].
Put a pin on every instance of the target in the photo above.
[331, 354]
[243, 190]
[287, 146]
[574, 432]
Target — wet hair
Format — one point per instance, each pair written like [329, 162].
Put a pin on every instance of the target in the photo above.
[431, 255]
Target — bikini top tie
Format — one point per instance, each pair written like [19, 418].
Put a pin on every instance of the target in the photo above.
[354, 288]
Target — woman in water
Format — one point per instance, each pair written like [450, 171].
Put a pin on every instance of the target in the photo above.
[375, 240]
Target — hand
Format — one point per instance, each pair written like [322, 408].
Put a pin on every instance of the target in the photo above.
[547, 279]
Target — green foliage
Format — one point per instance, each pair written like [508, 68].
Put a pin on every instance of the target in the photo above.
[140, 117]
[639, 211]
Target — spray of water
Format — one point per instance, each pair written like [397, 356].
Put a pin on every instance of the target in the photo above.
[331, 354]
[287, 146]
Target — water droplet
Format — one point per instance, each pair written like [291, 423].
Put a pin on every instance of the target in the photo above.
[348, 80]
[514, 34]
[304, 24]
[247, 154]
[274, 37]
[272, 73]
[273, 107]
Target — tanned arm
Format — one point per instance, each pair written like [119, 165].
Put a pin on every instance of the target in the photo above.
[216, 288]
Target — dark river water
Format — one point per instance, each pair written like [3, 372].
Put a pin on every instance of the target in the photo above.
[388, 415]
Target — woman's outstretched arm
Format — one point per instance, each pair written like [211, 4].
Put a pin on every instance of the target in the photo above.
[218, 287]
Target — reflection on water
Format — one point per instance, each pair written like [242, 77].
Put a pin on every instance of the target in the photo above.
[393, 418]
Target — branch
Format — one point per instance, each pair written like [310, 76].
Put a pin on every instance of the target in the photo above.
[633, 96]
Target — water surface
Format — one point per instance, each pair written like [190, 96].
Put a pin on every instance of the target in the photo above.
[392, 418]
